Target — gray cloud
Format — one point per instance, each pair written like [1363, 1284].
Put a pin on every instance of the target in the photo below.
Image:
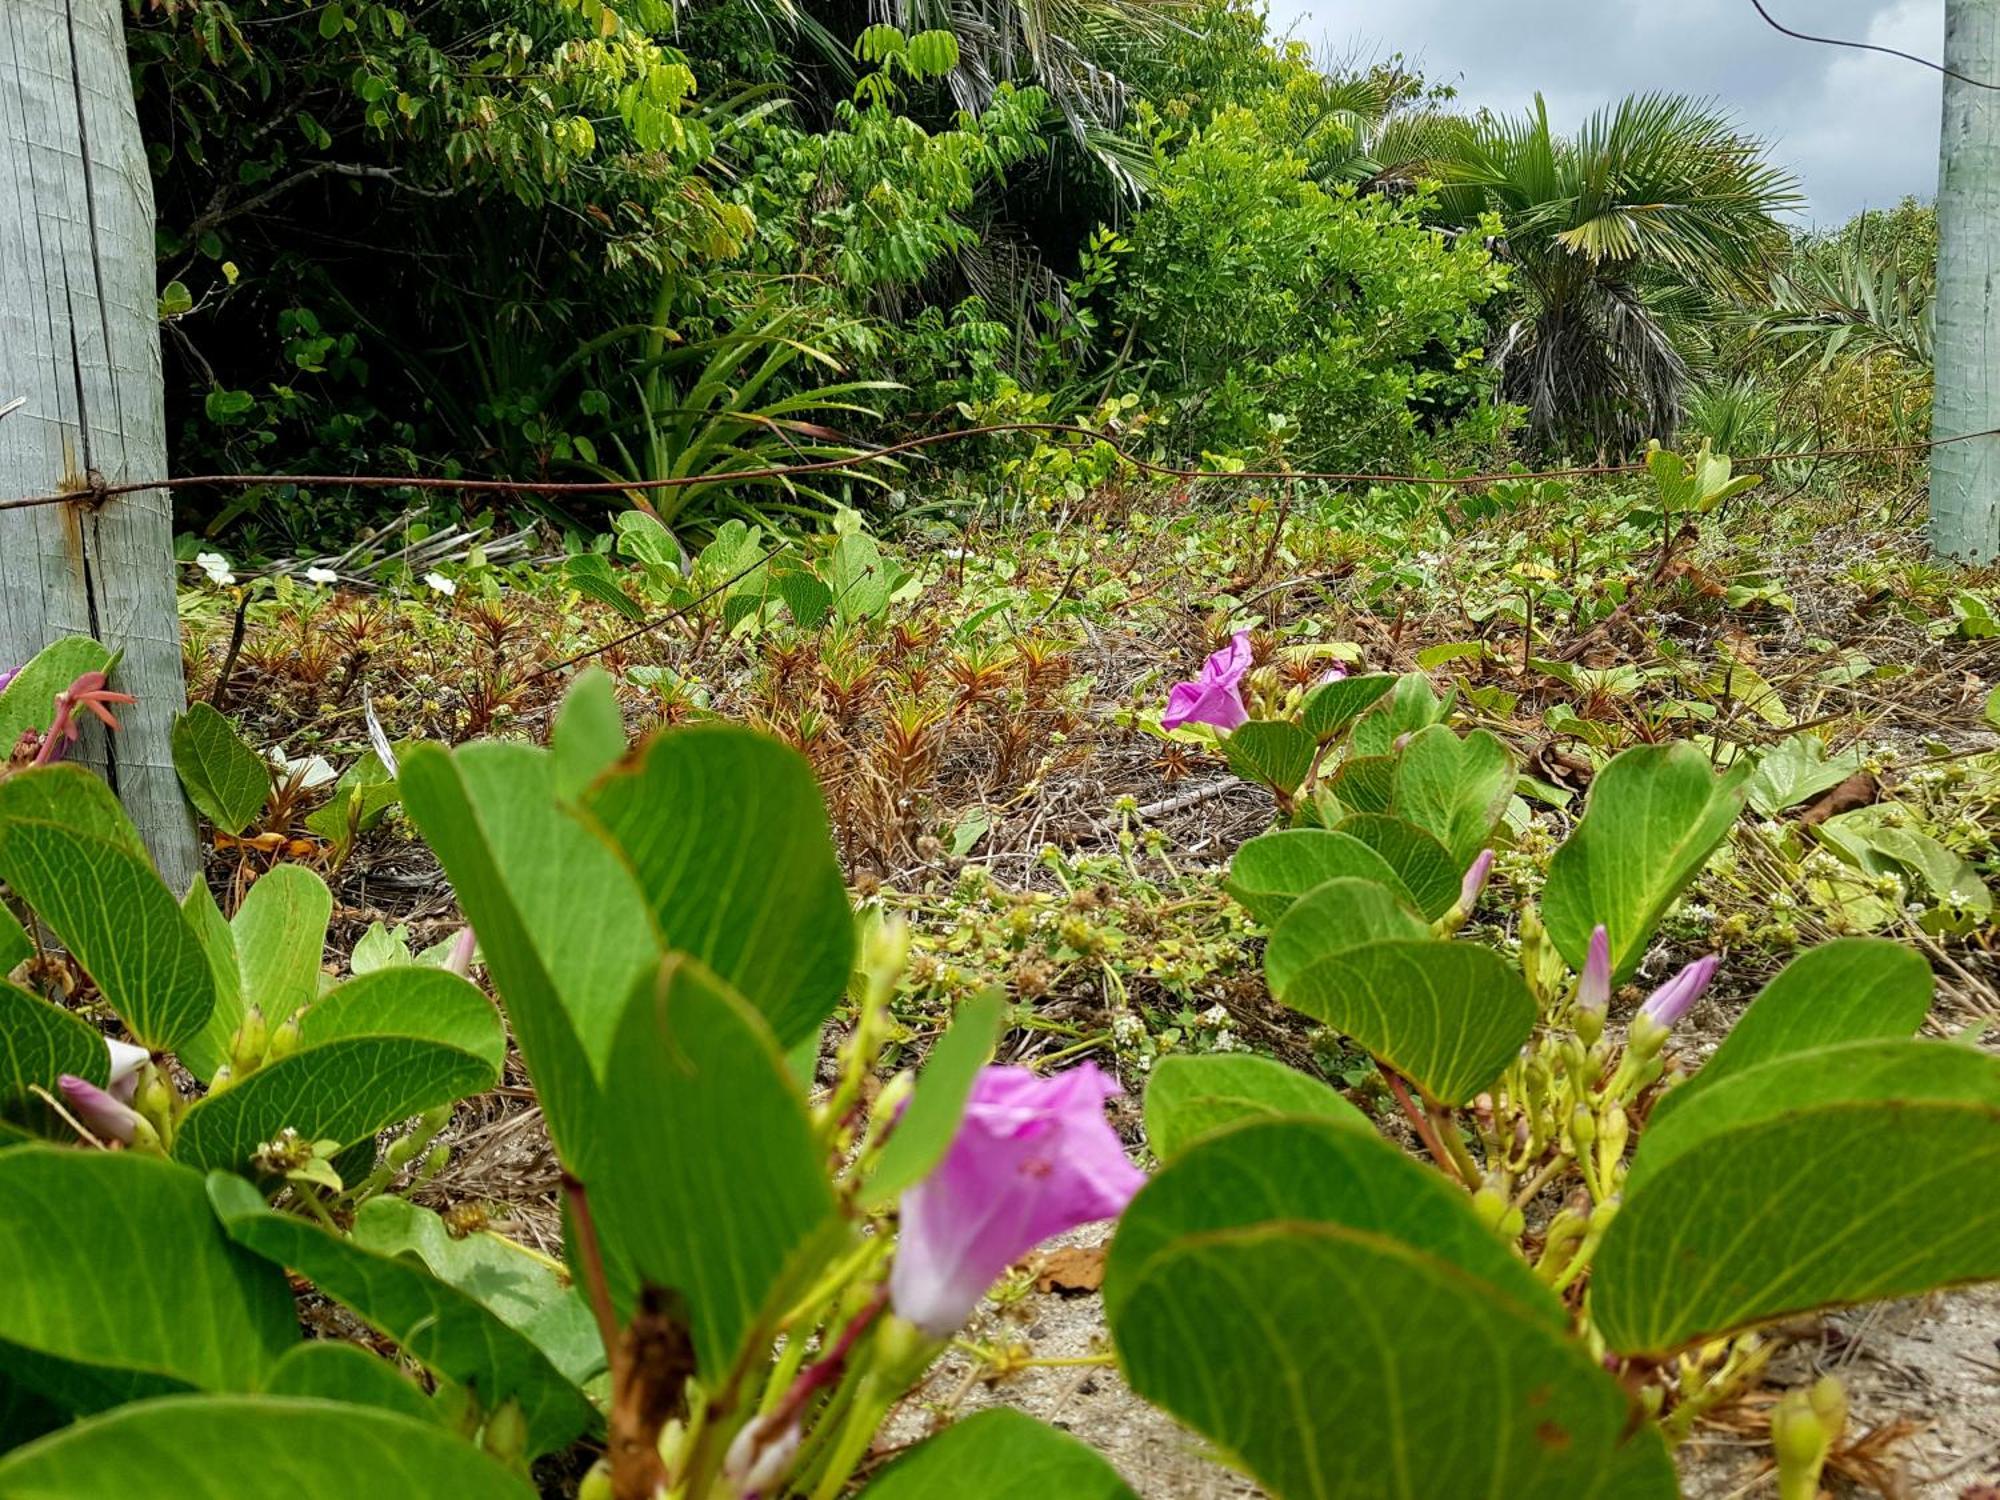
[1861, 130]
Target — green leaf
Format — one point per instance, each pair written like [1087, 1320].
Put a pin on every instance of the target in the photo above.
[1364, 783]
[1272, 752]
[1332, 918]
[110, 909]
[343, 1091]
[589, 733]
[332, 20]
[72, 797]
[119, 1285]
[1332, 708]
[565, 932]
[1447, 1016]
[1878, 842]
[1410, 706]
[1454, 789]
[924, 1133]
[735, 1190]
[280, 933]
[432, 1005]
[1273, 870]
[728, 835]
[225, 779]
[1796, 770]
[1423, 866]
[1654, 816]
[1335, 1364]
[1313, 1171]
[1191, 1098]
[365, 791]
[29, 701]
[40, 1042]
[1849, 990]
[518, 1289]
[1745, 1207]
[208, 1049]
[229, 1447]
[15, 944]
[442, 1328]
[805, 596]
[1000, 1455]
[591, 576]
[175, 299]
[860, 579]
[335, 1370]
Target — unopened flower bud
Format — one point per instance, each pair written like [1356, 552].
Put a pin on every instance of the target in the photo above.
[758, 1460]
[596, 1484]
[103, 1115]
[505, 1435]
[1582, 1126]
[247, 1048]
[284, 1040]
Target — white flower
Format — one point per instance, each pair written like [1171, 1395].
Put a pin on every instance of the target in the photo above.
[321, 575]
[441, 583]
[216, 566]
[1215, 1015]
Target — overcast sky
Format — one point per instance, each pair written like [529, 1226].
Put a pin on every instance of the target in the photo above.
[1860, 129]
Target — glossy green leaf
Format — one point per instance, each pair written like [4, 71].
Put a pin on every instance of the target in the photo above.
[727, 833]
[234, 1447]
[565, 932]
[208, 1049]
[1849, 990]
[365, 791]
[589, 733]
[1332, 918]
[108, 906]
[29, 701]
[1409, 706]
[1422, 865]
[1271, 752]
[278, 937]
[1796, 770]
[344, 1091]
[1273, 870]
[224, 778]
[15, 944]
[1878, 841]
[68, 795]
[1329, 710]
[1190, 1098]
[1454, 789]
[120, 1286]
[521, 1291]
[1294, 1170]
[1000, 1455]
[1333, 1363]
[1364, 783]
[1840, 1175]
[336, 1370]
[441, 1327]
[1654, 816]
[925, 1131]
[432, 1005]
[1447, 1016]
[735, 1188]
[40, 1042]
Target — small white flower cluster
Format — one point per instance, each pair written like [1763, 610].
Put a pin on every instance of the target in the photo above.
[1127, 1030]
[216, 567]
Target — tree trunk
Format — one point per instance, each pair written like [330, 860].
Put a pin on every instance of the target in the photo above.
[80, 340]
[1965, 477]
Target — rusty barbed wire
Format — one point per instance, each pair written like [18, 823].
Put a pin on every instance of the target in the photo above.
[97, 492]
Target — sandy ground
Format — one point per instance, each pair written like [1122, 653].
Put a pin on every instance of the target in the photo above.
[1935, 1361]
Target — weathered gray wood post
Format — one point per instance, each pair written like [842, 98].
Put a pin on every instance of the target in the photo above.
[1965, 477]
[80, 340]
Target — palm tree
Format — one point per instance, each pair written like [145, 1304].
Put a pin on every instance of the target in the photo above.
[1626, 242]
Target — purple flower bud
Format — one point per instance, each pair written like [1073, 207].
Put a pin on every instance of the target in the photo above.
[1033, 1157]
[460, 960]
[1216, 696]
[758, 1460]
[7, 675]
[1475, 881]
[1334, 673]
[107, 1118]
[1678, 995]
[1593, 991]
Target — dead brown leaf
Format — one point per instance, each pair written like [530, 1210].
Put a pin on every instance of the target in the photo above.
[1859, 790]
[1071, 1272]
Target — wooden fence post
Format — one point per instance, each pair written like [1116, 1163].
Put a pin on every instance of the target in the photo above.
[80, 341]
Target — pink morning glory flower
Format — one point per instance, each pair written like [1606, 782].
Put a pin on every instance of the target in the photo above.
[1475, 880]
[103, 1115]
[1593, 991]
[1216, 696]
[1033, 1157]
[1678, 995]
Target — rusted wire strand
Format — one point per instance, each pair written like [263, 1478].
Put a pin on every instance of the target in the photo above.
[96, 493]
